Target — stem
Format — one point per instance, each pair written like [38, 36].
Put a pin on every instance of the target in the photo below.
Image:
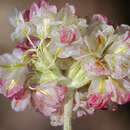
[68, 109]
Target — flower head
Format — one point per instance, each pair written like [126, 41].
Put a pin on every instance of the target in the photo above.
[63, 66]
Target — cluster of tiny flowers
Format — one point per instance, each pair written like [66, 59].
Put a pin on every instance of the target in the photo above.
[57, 53]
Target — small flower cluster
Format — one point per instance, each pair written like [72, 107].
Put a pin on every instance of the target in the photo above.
[61, 59]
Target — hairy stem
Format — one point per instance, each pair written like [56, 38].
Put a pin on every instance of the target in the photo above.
[68, 109]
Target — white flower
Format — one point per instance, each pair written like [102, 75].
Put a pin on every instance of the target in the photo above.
[12, 73]
[21, 28]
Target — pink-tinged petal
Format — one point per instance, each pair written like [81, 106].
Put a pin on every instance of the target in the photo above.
[49, 100]
[70, 8]
[120, 94]
[95, 68]
[33, 9]
[1, 82]
[22, 103]
[99, 18]
[12, 92]
[111, 106]
[52, 8]
[25, 45]
[41, 105]
[20, 94]
[127, 40]
[44, 4]
[115, 25]
[80, 107]
[2, 90]
[81, 113]
[26, 15]
[57, 118]
[118, 65]
[97, 101]
[67, 36]
[12, 73]
[52, 100]
[61, 91]
[99, 94]
[9, 89]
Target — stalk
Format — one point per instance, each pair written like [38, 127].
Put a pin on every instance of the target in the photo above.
[68, 109]
[78, 79]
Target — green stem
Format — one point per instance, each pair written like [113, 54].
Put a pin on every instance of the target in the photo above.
[68, 109]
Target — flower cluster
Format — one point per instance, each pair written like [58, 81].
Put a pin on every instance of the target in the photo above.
[64, 66]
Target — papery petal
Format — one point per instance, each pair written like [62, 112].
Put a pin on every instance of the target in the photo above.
[121, 95]
[99, 94]
[117, 48]
[80, 105]
[12, 73]
[54, 95]
[69, 51]
[61, 91]
[118, 65]
[99, 18]
[45, 4]
[16, 18]
[70, 7]
[40, 105]
[12, 90]
[48, 98]
[2, 89]
[123, 28]
[26, 15]
[57, 119]
[9, 89]
[43, 28]
[112, 106]
[20, 94]
[127, 40]
[125, 82]
[22, 103]
[67, 36]
[95, 67]
[42, 3]
[13, 21]
[52, 8]
[97, 101]
[20, 26]
[1, 82]
[67, 15]
[120, 43]
[25, 45]
[98, 38]
[42, 9]
[33, 9]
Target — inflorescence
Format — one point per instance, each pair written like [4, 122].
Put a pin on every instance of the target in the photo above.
[64, 66]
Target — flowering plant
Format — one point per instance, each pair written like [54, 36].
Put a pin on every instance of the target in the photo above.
[63, 66]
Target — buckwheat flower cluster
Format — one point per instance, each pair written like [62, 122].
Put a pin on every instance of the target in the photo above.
[64, 66]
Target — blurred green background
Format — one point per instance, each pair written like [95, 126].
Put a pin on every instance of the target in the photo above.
[117, 11]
